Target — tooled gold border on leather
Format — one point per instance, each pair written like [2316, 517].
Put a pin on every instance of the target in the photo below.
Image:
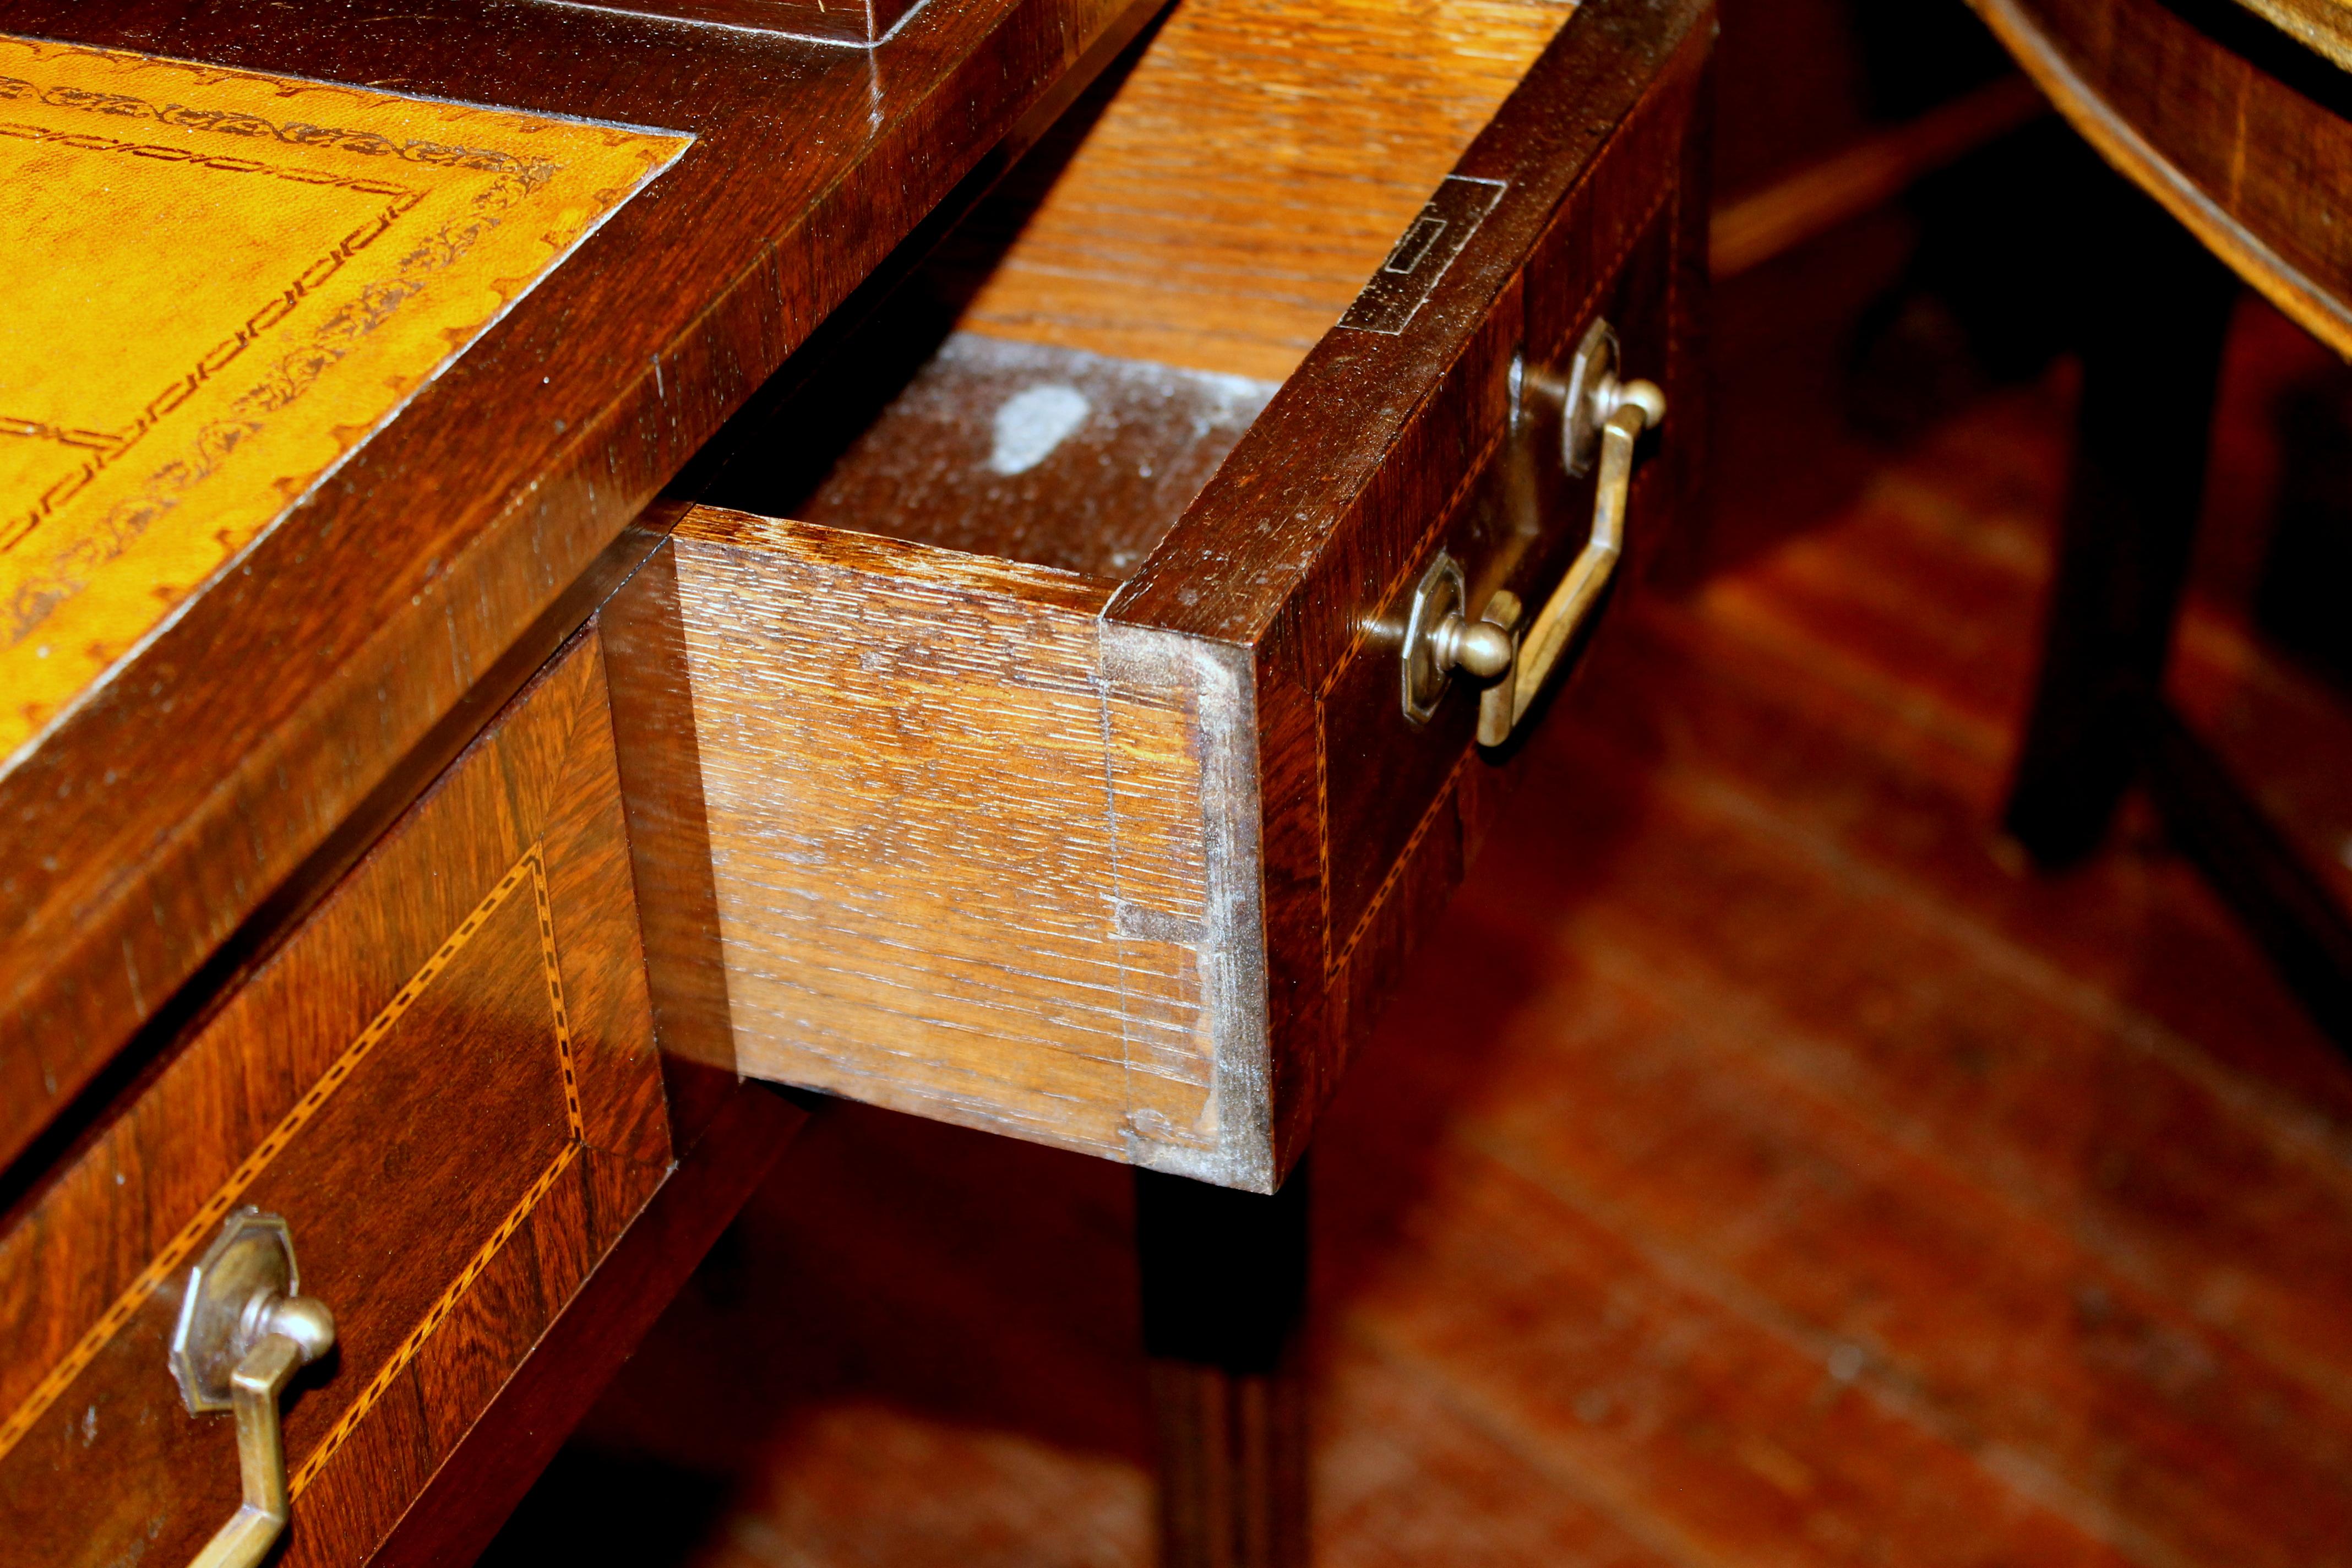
[166, 1262]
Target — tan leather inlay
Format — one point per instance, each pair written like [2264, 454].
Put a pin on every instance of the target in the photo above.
[221, 284]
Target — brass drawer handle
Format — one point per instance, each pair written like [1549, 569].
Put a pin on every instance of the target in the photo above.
[244, 1332]
[1439, 639]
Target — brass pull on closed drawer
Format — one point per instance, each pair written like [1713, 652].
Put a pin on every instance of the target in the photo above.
[243, 1330]
[1600, 412]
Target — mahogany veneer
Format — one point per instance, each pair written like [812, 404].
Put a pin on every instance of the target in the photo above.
[446, 1083]
[2243, 135]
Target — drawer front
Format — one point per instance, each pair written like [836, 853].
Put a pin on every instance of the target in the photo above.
[1334, 826]
[444, 1081]
[1515, 522]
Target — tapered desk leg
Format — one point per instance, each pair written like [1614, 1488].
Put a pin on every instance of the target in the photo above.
[1225, 1289]
[2152, 323]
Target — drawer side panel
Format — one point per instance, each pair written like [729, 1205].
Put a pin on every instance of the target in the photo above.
[907, 762]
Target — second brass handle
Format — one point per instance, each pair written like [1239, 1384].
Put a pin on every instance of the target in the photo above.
[244, 1332]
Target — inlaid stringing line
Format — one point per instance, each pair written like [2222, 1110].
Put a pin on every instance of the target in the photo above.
[216, 1208]
[400, 1358]
[397, 1362]
[555, 993]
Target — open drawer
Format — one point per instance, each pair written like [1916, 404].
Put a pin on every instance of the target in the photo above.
[1076, 753]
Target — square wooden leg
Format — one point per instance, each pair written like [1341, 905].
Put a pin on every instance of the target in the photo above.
[1224, 1288]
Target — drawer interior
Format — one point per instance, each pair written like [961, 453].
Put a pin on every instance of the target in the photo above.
[1063, 377]
[1031, 452]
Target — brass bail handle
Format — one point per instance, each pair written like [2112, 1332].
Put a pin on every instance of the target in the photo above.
[243, 1330]
[1639, 403]
[1603, 412]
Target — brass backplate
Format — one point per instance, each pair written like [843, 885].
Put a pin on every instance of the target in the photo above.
[251, 1260]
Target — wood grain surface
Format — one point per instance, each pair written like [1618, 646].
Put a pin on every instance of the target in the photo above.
[1223, 1277]
[446, 1082]
[1800, 1180]
[648, 673]
[2322, 25]
[2243, 135]
[927, 898]
[1248, 175]
[228, 749]
[859, 22]
[719, 1163]
[1050, 456]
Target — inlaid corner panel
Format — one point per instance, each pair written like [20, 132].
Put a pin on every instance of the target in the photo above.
[445, 1081]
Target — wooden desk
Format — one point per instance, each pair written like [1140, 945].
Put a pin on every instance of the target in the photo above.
[433, 868]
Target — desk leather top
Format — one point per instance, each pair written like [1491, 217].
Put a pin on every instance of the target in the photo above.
[228, 282]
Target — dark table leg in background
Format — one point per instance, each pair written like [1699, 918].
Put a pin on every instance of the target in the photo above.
[2153, 315]
[2152, 323]
[1225, 1289]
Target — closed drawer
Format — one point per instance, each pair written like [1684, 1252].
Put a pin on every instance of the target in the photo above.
[445, 1081]
[1047, 677]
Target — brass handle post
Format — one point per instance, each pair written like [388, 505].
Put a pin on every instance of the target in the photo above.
[241, 1335]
